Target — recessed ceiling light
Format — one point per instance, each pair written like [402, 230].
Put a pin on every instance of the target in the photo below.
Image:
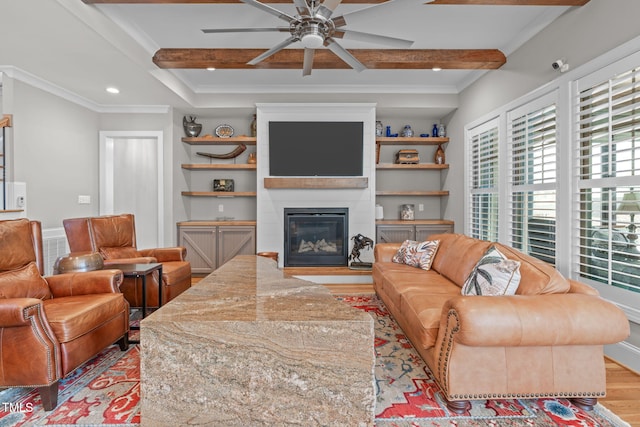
[211, 68]
[113, 90]
[436, 68]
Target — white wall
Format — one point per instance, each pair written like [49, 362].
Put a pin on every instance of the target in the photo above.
[55, 152]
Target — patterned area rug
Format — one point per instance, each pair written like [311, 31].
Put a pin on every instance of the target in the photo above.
[106, 392]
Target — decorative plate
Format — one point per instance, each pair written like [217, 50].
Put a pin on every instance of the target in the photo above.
[224, 131]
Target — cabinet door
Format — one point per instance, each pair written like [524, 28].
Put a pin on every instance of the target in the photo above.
[394, 233]
[201, 244]
[424, 231]
[235, 240]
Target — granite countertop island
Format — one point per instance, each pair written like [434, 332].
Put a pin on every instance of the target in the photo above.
[249, 345]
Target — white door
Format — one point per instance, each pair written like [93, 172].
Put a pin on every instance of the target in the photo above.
[131, 181]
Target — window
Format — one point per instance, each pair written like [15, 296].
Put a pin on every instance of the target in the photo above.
[608, 149]
[483, 181]
[531, 138]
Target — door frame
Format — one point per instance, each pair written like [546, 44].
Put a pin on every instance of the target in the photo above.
[107, 167]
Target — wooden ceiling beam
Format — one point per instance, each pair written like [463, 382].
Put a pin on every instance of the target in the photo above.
[434, 2]
[389, 59]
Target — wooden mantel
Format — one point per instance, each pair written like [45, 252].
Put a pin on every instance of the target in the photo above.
[316, 182]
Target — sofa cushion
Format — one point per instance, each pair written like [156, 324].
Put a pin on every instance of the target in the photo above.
[25, 282]
[457, 256]
[423, 311]
[417, 254]
[113, 231]
[537, 277]
[16, 244]
[74, 316]
[174, 271]
[494, 274]
[395, 283]
[119, 252]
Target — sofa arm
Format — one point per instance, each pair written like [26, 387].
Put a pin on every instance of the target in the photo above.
[85, 283]
[13, 311]
[384, 252]
[537, 320]
[178, 253]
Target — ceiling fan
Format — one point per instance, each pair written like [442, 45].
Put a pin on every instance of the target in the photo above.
[313, 27]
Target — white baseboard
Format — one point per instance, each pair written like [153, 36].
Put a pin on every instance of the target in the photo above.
[624, 353]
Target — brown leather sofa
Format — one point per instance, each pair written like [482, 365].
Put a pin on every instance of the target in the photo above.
[114, 237]
[49, 326]
[545, 341]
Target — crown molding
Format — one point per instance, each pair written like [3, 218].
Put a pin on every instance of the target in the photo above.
[46, 86]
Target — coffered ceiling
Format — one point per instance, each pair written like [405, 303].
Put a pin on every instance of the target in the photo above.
[157, 53]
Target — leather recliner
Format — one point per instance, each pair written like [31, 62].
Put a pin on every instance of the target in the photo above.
[114, 237]
[49, 326]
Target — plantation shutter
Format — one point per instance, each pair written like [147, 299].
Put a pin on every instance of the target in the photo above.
[608, 149]
[483, 181]
[532, 148]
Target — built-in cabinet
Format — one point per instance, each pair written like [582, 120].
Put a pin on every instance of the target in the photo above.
[210, 244]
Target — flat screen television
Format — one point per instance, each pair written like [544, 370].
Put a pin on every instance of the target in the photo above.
[315, 148]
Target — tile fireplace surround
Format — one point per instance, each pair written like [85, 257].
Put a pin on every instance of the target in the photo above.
[271, 202]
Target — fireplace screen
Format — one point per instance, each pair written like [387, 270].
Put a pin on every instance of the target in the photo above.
[315, 237]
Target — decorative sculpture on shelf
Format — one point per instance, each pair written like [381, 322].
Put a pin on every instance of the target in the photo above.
[230, 155]
[360, 243]
[191, 128]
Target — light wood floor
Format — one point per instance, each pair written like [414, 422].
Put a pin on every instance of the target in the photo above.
[623, 385]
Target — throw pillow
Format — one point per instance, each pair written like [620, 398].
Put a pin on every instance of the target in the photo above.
[494, 274]
[25, 282]
[417, 254]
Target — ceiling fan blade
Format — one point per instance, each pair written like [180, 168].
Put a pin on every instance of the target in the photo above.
[372, 38]
[327, 8]
[341, 21]
[303, 7]
[243, 30]
[308, 61]
[273, 50]
[272, 10]
[342, 53]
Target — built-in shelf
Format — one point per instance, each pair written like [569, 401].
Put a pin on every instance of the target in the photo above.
[213, 140]
[414, 140]
[313, 182]
[218, 166]
[219, 193]
[411, 166]
[438, 193]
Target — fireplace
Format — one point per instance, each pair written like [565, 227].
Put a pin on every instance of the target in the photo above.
[315, 237]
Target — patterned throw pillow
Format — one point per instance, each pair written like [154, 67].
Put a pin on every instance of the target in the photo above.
[417, 254]
[494, 274]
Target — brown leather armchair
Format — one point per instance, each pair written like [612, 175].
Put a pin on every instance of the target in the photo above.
[55, 323]
[114, 237]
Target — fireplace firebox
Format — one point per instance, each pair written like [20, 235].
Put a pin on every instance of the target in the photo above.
[315, 237]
